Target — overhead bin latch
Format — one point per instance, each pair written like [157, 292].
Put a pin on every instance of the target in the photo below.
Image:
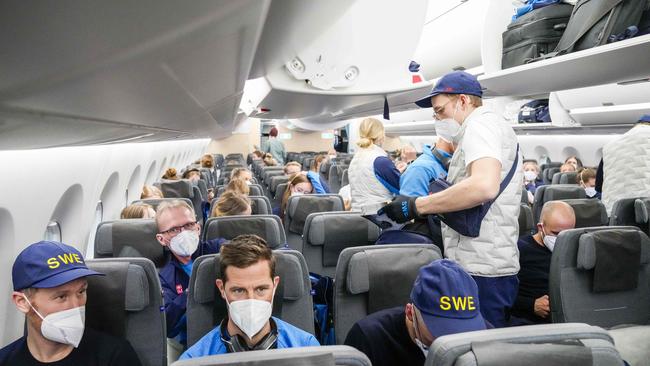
[321, 75]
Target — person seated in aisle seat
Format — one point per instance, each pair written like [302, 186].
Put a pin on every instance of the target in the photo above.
[587, 180]
[138, 211]
[575, 161]
[567, 168]
[207, 161]
[344, 192]
[232, 204]
[444, 300]
[292, 167]
[535, 251]
[299, 184]
[49, 280]
[170, 174]
[179, 232]
[407, 155]
[531, 179]
[238, 186]
[331, 155]
[247, 282]
[193, 174]
[242, 173]
[151, 192]
[269, 160]
[258, 155]
[314, 172]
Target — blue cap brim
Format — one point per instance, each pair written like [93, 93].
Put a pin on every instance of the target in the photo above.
[65, 277]
[426, 101]
[439, 326]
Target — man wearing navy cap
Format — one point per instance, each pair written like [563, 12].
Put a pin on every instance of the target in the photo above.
[444, 300]
[626, 165]
[50, 285]
[485, 152]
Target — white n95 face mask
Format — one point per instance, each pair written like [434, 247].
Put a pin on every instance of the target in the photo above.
[446, 128]
[250, 315]
[65, 326]
[297, 193]
[590, 191]
[185, 243]
[530, 175]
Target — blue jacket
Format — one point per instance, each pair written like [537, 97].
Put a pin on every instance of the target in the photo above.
[317, 182]
[414, 182]
[288, 337]
[175, 282]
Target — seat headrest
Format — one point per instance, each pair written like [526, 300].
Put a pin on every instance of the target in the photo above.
[589, 212]
[155, 202]
[177, 188]
[641, 210]
[130, 238]
[137, 289]
[569, 178]
[563, 191]
[268, 227]
[343, 227]
[299, 207]
[587, 243]
[259, 205]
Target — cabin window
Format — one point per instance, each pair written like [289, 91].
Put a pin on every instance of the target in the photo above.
[99, 216]
[52, 232]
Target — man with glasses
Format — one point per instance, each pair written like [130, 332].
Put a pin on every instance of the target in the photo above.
[179, 232]
[485, 157]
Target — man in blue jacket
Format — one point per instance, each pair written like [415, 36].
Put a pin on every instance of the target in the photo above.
[179, 232]
[247, 282]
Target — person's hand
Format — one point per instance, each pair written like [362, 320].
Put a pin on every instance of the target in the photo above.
[401, 166]
[401, 209]
[542, 307]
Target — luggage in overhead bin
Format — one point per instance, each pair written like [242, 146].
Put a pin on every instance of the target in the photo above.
[535, 111]
[593, 22]
[534, 34]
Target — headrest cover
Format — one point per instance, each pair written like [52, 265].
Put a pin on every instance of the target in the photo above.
[177, 188]
[137, 289]
[137, 236]
[327, 229]
[586, 259]
[300, 207]
[228, 227]
[562, 192]
[641, 208]
[588, 212]
[358, 280]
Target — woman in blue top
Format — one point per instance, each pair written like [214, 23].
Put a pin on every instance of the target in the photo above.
[301, 183]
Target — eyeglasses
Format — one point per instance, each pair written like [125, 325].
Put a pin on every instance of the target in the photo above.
[178, 229]
[438, 110]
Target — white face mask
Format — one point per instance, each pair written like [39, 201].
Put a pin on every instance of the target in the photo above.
[65, 326]
[185, 243]
[549, 241]
[250, 315]
[446, 129]
[418, 342]
[590, 191]
[296, 193]
[530, 175]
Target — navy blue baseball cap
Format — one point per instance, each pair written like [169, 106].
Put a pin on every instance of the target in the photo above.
[48, 264]
[456, 82]
[645, 118]
[447, 298]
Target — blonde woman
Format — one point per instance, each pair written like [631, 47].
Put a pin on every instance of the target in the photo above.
[374, 179]
[231, 204]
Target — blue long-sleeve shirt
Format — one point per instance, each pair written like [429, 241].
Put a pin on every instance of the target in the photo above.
[387, 174]
[414, 182]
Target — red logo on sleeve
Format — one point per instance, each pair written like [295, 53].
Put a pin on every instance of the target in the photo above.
[179, 289]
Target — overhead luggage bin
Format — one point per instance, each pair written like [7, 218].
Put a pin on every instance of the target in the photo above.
[626, 61]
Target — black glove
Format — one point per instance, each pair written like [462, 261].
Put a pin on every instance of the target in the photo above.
[402, 209]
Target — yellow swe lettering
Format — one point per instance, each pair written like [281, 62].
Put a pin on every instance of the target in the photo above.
[470, 303]
[459, 302]
[52, 263]
[67, 258]
[444, 303]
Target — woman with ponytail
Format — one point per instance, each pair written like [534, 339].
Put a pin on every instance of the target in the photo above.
[373, 176]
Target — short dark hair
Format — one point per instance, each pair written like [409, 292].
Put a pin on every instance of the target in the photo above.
[243, 251]
[273, 132]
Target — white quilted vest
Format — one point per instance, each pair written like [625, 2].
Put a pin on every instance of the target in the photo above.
[626, 169]
[494, 252]
[368, 194]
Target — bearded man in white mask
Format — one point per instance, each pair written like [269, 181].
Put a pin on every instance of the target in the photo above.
[179, 232]
[535, 252]
[50, 285]
[247, 282]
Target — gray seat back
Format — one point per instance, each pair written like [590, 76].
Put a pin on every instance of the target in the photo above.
[260, 205]
[372, 278]
[130, 238]
[624, 213]
[526, 223]
[270, 174]
[326, 234]
[301, 356]
[642, 213]
[255, 190]
[206, 308]
[344, 178]
[268, 227]
[279, 192]
[589, 212]
[184, 189]
[565, 178]
[126, 303]
[547, 174]
[334, 179]
[555, 192]
[601, 276]
[275, 182]
[571, 344]
[299, 207]
[155, 202]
